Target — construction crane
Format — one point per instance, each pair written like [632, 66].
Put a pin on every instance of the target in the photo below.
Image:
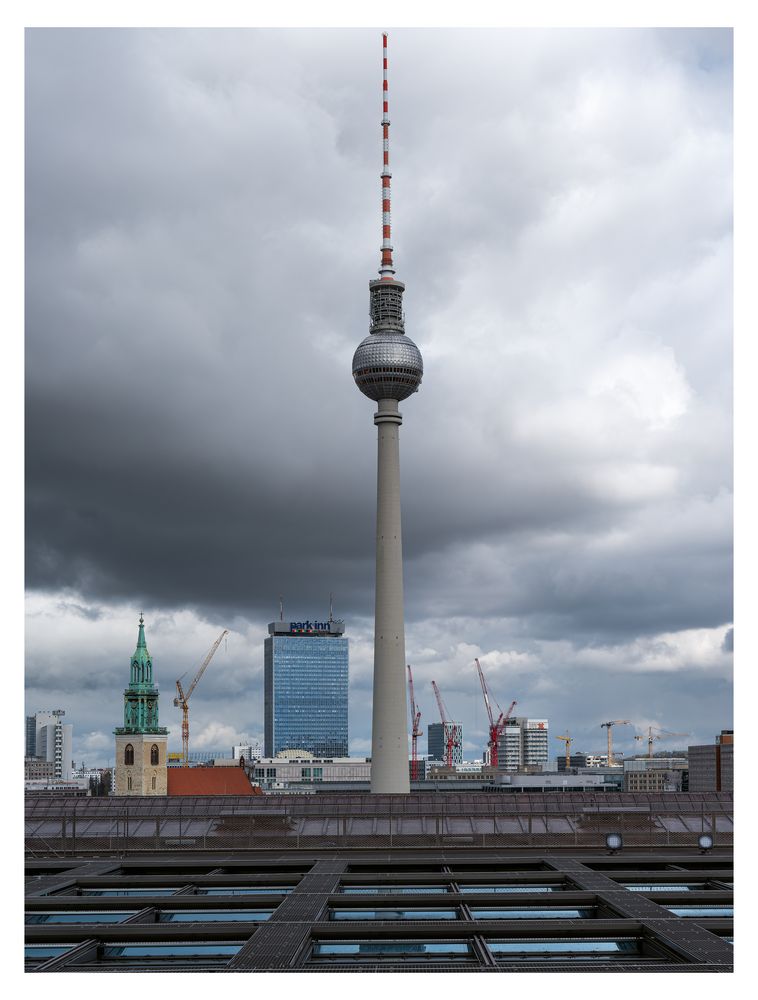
[567, 740]
[181, 698]
[415, 731]
[660, 735]
[609, 726]
[450, 731]
[496, 728]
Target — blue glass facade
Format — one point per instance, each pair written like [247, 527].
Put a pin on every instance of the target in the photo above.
[305, 693]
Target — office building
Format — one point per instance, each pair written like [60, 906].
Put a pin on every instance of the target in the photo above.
[305, 679]
[31, 736]
[283, 771]
[141, 743]
[712, 765]
[250, 751]
[438, 736]
[38, 769]
[387, 367]
[656, 774]
[54, 742]
[523, 745]
[577, 760]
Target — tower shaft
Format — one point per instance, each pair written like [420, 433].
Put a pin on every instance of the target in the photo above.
[387, 367]
[389, 732]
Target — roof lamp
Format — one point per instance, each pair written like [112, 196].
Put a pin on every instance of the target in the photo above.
[614, 842]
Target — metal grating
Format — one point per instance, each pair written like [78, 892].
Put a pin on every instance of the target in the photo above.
[281, 941]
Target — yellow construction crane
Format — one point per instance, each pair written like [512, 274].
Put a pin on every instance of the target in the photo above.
[660, 735]
[181, 698]
[609, 726]
[567, 740]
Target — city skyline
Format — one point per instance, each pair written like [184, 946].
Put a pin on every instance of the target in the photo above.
[200, 227]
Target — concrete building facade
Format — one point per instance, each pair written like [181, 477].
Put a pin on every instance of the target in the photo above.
[54, 743]
[250, 751]
[274, 772]
[712, 765]
[523, 745]
[656, 774]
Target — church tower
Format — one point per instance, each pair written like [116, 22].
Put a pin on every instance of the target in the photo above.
[141, 744]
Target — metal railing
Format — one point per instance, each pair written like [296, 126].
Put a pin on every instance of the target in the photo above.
[125, 825]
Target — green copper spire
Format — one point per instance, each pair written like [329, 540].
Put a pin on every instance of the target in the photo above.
[141, 634]
[141, 697]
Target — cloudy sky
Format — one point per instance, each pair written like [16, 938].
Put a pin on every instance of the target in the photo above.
[202, 221]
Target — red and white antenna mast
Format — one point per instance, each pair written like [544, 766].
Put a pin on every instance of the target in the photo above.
[387, 269]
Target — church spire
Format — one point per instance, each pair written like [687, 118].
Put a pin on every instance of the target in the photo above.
[141, 644]
[141, 697]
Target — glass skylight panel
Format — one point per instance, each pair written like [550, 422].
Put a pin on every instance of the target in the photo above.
[667, 887]
[379, 889]
[392, 914]
[565, 949]
[701, 911]
[115, 891]
[391, 949]
[171, 950]
[203, 916]
[472, 887]
[243, 890]
[79, 917]
[42, 952]
[530, 913]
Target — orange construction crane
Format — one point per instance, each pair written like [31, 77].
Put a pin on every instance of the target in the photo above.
[415, 731]
[450, 730]
[567, 740]
[661, 734]
[609, 726]
[181, 698]
[496, 728]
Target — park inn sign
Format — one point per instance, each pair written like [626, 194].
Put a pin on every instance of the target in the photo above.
[309, 626]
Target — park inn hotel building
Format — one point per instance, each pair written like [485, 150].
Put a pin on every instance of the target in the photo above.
[305, 688]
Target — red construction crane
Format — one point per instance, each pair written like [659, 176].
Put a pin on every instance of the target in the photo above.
[181, 699]
[415, 731]
[450, 730]
[496, 728]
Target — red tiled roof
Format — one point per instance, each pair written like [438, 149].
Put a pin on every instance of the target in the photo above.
[209, 781]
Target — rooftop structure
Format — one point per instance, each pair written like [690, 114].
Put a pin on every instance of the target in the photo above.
[387, 367]
[194, 781]
[270, 883]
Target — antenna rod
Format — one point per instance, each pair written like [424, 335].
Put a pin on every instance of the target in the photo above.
[387, 269]
[281, 608]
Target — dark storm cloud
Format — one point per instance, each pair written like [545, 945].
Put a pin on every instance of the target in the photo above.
[201, 229]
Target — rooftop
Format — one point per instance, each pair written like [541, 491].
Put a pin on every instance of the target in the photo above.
[196, 781]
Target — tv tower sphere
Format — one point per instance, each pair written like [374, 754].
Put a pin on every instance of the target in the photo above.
[387, 367]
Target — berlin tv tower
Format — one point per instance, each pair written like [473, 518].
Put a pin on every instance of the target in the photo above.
[387, 367]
